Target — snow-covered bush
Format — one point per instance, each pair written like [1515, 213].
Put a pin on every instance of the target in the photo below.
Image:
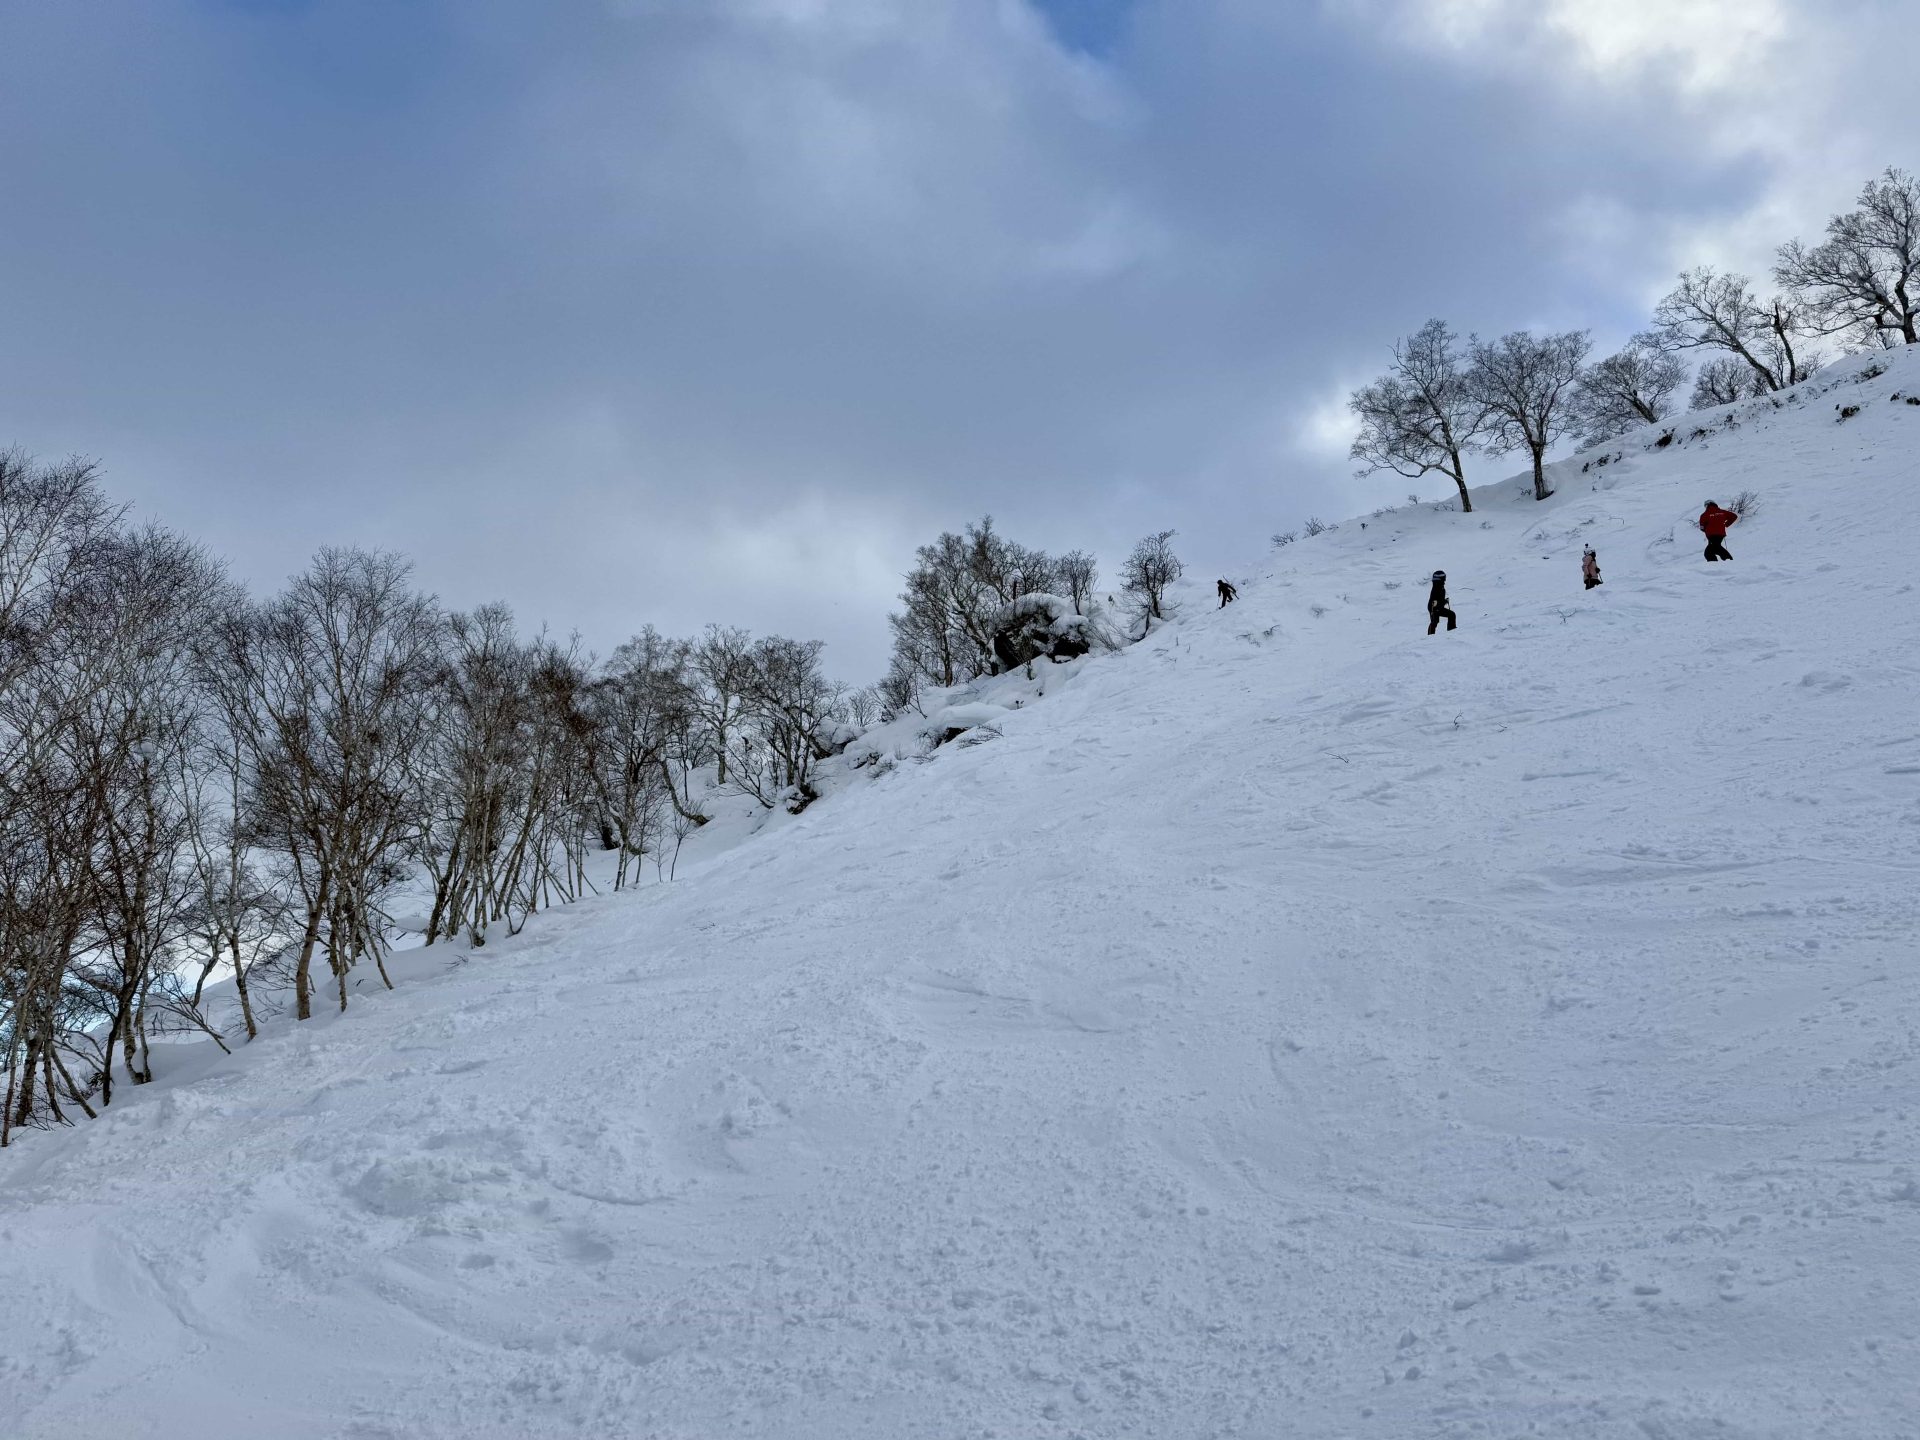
[1041, 626]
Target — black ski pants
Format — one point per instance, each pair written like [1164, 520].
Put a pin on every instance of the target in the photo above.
[1433, 621]
[1717, 548]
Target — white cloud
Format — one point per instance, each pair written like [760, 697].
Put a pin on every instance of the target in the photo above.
[1771, 88]
[1324, 428]
[1702, 46]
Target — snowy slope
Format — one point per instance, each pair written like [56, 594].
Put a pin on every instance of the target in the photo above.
[1292, 1026]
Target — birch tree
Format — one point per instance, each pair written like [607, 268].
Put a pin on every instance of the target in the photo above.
[1709, 310]
[1632, 388]
[1863, 281]
[1526, 383]
[1421, 416]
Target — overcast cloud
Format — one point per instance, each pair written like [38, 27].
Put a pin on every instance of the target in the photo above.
[689, 310]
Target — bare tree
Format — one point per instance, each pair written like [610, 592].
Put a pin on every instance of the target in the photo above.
[900, 689]
[500, 833]
[332, 683]
[864, 705]
[1711, 311]
[719, 671]
[1723, 380]
[793, 709]
[1148, 571]
[639, 705]
[1078, 574]
[1525, 382]
[97, 722]
[132, 734]
[1863, 280]
[1634, 387]
[240, 911]
[1421, 415]
[56, 532]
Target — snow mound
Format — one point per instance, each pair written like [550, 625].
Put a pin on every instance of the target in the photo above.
[950, 720]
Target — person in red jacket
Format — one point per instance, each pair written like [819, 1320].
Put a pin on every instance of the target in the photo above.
[1713, 524]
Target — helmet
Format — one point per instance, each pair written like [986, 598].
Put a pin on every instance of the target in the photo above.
[1439, 574]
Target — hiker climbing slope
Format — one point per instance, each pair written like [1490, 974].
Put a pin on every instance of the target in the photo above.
[1590, 568]
[1227, 593]
[1437, 606]
[1713, 524]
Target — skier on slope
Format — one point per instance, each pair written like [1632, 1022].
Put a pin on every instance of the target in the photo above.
[1590, 568]
[1713, 524]
[1227, 593]
[1437, 603]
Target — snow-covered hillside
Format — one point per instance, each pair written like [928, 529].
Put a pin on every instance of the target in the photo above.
[1294, 1025]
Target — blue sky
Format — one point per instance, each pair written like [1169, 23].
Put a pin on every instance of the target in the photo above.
[669, 311]
[1091, 26]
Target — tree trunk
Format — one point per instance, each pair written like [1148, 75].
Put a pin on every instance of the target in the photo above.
[47, 1057]
[1460, 483]
[130, 1011]
[6, 1110]
[24, 1114]
[1540, 491]
[443, 887]
[337, 961]
[682, 811]
[303, 970]
[240, 988]
[79, 1096]
[144, 1075]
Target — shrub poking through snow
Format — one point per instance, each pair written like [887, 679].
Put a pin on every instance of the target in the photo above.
[1745, 504]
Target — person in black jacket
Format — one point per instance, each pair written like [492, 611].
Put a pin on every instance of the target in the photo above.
[1227, 593]
[1437, 604]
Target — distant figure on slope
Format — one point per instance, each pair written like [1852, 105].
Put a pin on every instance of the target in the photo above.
[1227, 594]
[1590, 568]
[1713, 524]
[1437, 603]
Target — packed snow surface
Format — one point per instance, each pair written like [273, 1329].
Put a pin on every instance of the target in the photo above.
[1293, 1025]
